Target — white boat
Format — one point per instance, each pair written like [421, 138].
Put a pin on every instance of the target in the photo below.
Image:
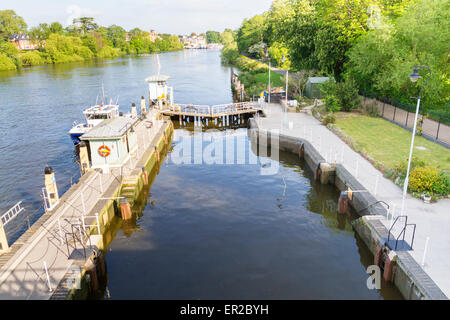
[94, 116]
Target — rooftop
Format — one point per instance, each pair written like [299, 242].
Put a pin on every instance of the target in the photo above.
[157, 78]
[101, 109]
[18, 37]
[110, 128]
[318, 79]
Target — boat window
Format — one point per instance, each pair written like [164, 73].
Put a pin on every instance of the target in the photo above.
[97, 116]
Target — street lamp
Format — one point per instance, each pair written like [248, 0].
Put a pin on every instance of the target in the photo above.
[414, 77]
[283, 59]
[267, 58]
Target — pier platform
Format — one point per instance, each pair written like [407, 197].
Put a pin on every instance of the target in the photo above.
[212, 112]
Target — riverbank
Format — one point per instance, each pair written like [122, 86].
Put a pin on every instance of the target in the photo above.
[432, 220]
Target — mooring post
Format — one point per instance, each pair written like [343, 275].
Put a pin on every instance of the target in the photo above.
[133, 110]
[84, 157]
[144, 175]
[343, 202]
[50, 186]
[143, 106]
[125, 209]
[4, 246]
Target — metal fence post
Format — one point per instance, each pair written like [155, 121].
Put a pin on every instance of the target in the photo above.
[98, 223]
[48, 277]
[82, 202]
[439, 125]
[395, 109]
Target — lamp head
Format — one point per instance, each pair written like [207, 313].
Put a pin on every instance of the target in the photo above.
[415, 75]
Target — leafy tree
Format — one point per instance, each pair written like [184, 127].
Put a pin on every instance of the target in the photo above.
[250, 33]
[116, 35]
[6, 63]
[56, 27]
[86, 24]
[10, 23]
[382, 60]
[31, 58]
[276, 53]
[212, 37]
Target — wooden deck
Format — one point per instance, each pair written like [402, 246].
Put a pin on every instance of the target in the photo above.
[216, 111]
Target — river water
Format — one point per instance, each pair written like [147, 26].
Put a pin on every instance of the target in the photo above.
[207, 230]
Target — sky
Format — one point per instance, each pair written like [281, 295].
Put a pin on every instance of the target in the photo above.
[164, 16]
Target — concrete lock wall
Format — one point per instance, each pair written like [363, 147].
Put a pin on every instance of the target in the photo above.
[406, 274]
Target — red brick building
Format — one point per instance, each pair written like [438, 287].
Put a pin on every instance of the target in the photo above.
[22, 42]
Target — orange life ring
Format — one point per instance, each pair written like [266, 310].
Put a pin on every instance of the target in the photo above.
[104, 151]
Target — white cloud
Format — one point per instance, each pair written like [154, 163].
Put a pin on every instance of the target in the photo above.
[75, 11]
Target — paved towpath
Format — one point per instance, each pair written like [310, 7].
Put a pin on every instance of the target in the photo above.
[433, 220]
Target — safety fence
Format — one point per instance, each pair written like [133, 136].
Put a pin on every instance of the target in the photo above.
[435, 129]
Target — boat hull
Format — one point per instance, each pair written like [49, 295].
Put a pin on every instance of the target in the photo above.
[75, 138]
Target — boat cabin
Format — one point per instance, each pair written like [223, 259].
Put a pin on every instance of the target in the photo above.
[111, 142]
[95, 115]
[159, 92]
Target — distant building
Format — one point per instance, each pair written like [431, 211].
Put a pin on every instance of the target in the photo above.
[22, 42]
[127, 37]
[194, 42]
[153, 36]
[312, 89]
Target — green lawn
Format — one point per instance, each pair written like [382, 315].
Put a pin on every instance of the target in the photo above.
[275, 79]
[388, 143]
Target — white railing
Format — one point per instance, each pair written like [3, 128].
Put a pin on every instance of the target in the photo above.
[216, 109]
[11, 213]
[191, 108]
[234, 107]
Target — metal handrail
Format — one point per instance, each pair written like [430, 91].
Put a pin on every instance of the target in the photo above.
[380, 201]
[392, 226]
[403, 232]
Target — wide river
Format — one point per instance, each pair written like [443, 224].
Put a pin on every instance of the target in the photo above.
[207, 230]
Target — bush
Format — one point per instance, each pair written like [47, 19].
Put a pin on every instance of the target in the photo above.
[442, 185]
[84, 52]
[31, 58]
[348, 95]
[423, 179]
[107, 52]
[332, 104]
[345, 92]
[329, 118]
[6, 63]
[372, 110]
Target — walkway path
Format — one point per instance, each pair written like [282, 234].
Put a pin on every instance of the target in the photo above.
[433, 220]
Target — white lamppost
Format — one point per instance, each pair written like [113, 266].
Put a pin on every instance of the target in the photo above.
[414, 77]
[267, 57]
[283, 59]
